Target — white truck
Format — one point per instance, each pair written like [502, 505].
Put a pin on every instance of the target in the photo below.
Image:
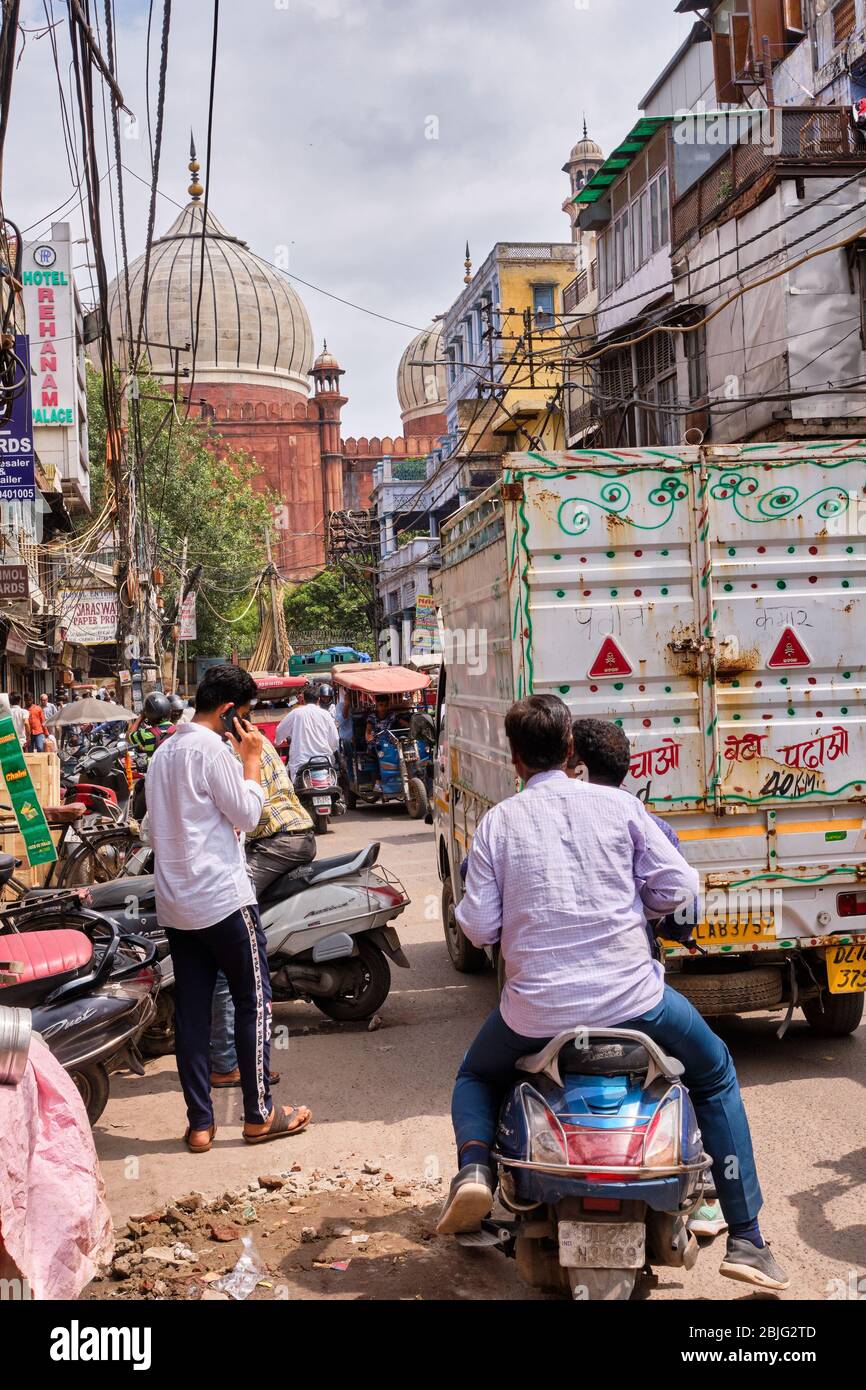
[711, 602]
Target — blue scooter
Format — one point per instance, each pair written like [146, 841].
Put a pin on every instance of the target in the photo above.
[600, 1160]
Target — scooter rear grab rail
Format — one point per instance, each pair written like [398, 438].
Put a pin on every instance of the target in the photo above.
[547, 1059]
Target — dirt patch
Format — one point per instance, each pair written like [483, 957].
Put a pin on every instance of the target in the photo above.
[350, 1235]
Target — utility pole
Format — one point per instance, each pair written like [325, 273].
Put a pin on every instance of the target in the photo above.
[128, 578]
[180, 616]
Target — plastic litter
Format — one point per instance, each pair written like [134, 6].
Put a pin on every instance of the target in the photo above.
[241, 1281]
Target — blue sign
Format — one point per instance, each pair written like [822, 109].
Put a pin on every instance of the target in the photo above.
[17, 459]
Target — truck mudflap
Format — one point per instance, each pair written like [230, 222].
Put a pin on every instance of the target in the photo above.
[388, 941]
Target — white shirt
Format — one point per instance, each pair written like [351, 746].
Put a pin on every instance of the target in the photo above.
[197, 799]
[313, 734]
[19, 719]
[560, 873]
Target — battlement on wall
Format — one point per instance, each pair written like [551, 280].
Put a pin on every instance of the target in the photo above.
[238, 411]
[416, 446]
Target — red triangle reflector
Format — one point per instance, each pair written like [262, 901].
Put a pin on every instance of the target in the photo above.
[609, 662]
[789, 651]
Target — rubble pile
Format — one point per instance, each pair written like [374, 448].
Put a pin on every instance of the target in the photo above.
[286, 1223]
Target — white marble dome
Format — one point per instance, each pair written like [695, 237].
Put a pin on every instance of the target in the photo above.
[253, 327]
[421, 383]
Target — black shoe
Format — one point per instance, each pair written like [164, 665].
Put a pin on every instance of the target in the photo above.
[470, 1199]
[752, 1264]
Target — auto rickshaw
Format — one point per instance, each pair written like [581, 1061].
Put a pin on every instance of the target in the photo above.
[393, 766]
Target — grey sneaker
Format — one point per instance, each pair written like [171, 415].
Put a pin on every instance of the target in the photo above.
[751, 1265]
[470, 1199]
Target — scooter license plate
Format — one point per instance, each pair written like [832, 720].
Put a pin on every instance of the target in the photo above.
[846, 969]
[602, 1244]
[321, 803]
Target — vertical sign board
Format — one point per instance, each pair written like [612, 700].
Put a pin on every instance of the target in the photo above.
[28, 813]
[187, 619]
[49, 304]
[425, 634]
[17, 460]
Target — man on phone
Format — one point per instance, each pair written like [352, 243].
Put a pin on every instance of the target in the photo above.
[199, 796]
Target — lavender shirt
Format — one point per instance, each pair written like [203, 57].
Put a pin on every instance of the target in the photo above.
[560, 874]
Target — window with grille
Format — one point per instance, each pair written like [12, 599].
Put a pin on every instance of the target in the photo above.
[615, 387]
[844, 21]
[657, 388]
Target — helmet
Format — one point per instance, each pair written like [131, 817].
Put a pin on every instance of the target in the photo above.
[326, 692]
[157, 707]
[177, 706]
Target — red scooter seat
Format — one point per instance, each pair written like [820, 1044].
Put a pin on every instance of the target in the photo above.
[45, 954]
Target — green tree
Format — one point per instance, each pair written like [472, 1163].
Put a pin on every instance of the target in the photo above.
[331, 608]
[190, 491]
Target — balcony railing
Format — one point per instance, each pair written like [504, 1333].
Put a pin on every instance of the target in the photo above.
[578, 289]
[790, 137]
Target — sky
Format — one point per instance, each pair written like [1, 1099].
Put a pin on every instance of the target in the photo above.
[322, 156]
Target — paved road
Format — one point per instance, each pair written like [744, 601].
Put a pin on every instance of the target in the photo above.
[383, 1096]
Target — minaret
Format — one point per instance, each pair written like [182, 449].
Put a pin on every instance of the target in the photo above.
[326, 375]
[586, 159]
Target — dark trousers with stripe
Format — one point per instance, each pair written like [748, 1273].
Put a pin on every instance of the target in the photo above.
[235, 946]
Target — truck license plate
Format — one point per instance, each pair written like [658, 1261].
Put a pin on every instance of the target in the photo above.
[602, 1244]
[846, 969]
[733, 931]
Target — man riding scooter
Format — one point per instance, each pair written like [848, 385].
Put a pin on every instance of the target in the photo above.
[310, 730]
[153, 725]
[561, 875]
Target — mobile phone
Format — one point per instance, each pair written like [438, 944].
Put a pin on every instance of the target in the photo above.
[228, 721]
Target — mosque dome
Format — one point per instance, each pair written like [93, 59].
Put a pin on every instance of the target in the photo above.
[421, 382]
[253, 328]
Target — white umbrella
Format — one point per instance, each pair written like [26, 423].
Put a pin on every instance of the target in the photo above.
[92, 711]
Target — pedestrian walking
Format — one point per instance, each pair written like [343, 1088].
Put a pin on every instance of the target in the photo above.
[36, 718]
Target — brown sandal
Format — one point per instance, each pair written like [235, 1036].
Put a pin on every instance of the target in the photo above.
[280, 1127]
[199, 1148]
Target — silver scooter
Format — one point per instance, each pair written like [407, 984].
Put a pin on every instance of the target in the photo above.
[328, 932]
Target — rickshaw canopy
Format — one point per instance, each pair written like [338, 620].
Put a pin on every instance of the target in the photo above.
[271, 687]
[378, 678]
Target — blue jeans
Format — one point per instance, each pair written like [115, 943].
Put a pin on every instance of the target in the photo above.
[223, 1053]
[37, 743]
[487, 1071]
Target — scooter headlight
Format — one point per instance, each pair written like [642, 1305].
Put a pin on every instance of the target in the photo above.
[662, 1143]
[546, 1138]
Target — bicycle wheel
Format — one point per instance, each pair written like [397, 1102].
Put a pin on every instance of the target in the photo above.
[98, 859]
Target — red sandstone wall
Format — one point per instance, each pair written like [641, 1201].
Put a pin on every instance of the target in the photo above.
[280, 431]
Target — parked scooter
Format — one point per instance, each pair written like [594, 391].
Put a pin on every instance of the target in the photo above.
[99, 779]
[90, 985]
[601, 1161]
[318, 790]
[327, 929]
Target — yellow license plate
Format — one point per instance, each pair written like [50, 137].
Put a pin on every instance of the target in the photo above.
[846, 969]
[731, 933]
